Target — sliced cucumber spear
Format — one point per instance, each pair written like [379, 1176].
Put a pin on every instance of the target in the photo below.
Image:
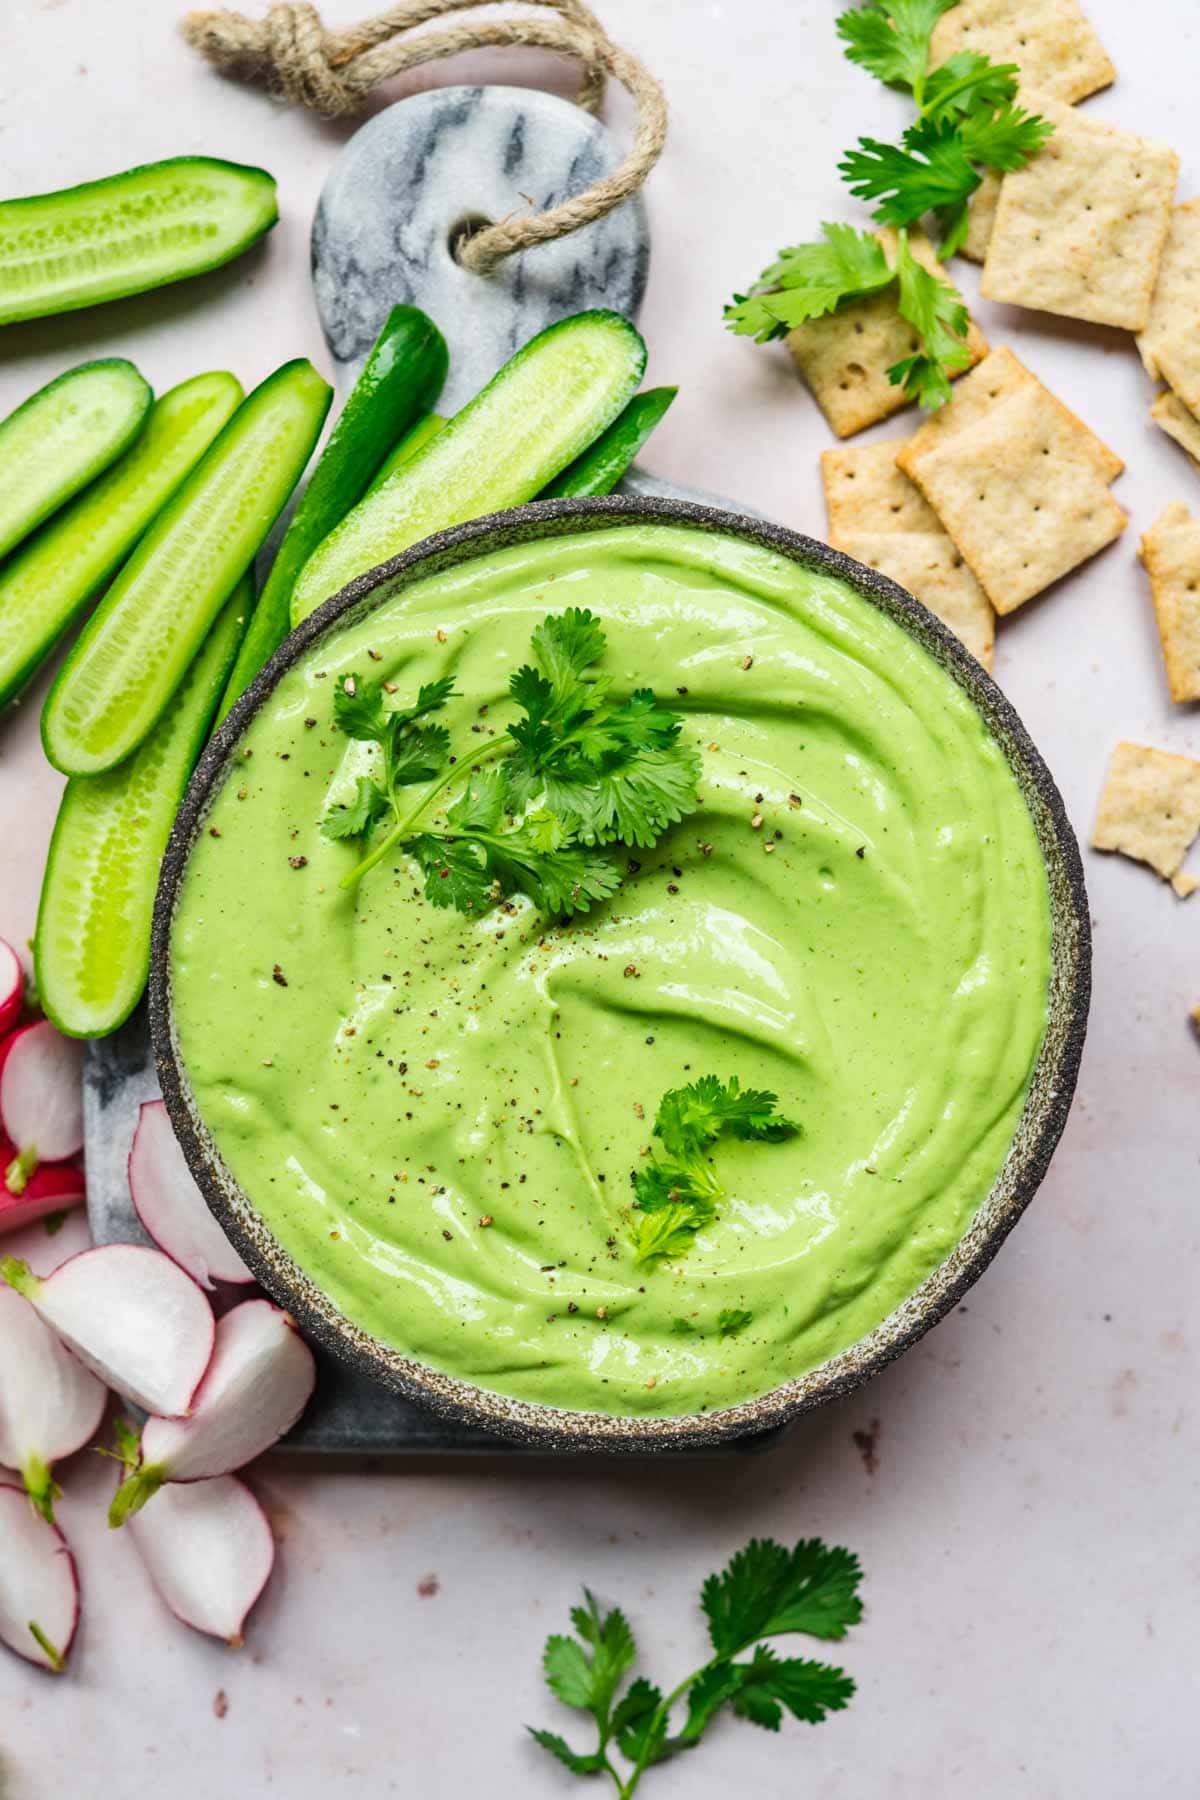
[543, 408]
[413, 440]
[92, 949]
[602, 465]
[402, 376]
[133, 652]
[55, 573]
[64, 435]
[129, 232]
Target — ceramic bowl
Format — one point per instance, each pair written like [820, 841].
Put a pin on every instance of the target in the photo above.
[1038, 1132]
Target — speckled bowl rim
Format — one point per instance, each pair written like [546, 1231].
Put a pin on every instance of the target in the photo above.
[554, 1428]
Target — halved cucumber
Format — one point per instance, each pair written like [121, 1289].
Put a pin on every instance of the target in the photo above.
[133, 652]
[535, 416]
[414, 439]
[64, 435]
[92, 949]
[54, 574]
[129, 232]
[401, 377]
[603, 463]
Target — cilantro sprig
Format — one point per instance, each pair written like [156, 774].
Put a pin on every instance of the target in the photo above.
[766, 1591]
[677, 1194]
[576, 771]
[968, 119]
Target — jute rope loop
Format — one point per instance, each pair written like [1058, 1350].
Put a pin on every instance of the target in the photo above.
[291, 53]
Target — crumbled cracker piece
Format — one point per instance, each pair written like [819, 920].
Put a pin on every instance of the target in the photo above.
[1080, 229]
[1051, 42]
[1171, 553]
[1184, 884]
[845, 357]
[865, 491]
[1020, 494]
[1150, 807]
[997, 378]
[929, 566]
[1170, 344]
[1178, 422]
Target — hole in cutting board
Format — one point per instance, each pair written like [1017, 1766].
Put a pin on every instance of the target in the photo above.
[464, 229]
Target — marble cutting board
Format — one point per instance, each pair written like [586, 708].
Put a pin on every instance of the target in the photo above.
[383, 234]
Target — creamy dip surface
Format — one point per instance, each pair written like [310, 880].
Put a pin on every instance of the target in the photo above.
[380, 1076]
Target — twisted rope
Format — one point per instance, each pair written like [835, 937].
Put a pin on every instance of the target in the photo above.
[291, 53]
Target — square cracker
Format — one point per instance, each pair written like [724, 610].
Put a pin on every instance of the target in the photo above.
[1150, 807]
[1175, 306]
[1051, 42]
[1020, 494]
[981, 216]
[1170, 412]
[865, 491]
[1171, 553]
[994, 380]
[845, 356]
[1080, 229]
[928, 565]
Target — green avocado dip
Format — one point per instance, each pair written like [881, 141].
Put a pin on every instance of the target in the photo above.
[438, 1116]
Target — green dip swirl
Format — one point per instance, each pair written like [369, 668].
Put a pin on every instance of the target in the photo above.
[883, 969]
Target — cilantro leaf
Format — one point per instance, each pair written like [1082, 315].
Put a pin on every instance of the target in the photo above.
[637, 1729]
[570, 1759]
[568, 1671]
[369, 805]
[766, 1590]
[731, 1320]
[716, 1684]
[890, 38]
[613, 1648]
[358, 709]
[809, 1690]
[455, 873]
[968, 83]
[566, 645]
[416, 754]
[929, 170]
[690, 1117]
[809, 280]
[670, 1230]
[936, 313]
[1006, 139]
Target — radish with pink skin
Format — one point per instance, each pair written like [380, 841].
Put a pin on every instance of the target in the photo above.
[132, 1316]
[12, 986]
[171, 1206]
[50, 1405]
[259, 1381]
[53, 1187]
[39, 1586]
[41, 1099]
[48, 1242]
[208, 1549]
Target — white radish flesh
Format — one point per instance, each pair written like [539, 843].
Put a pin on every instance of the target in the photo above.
[46, 1243]
[12, 986]
[209, 1551]
[50, 1405]
[171, 1206]
[53, 1187]
[39, 1588]
[132, 1316]
[41, 1099]
[259, 1381]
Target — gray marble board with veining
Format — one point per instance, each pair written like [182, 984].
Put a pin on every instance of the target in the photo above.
[381, 236]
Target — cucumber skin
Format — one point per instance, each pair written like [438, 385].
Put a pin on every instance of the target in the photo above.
[34, 560]
[413, 440]
[178, 740]
[88, 472]
[333, 565]
[11, 210]
[163, 525]
[603, 463]
[401, 378]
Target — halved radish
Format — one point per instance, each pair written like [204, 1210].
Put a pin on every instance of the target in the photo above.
[130, 1314]
[259, 1381]
[50, 1405]
[47, 1242]
[12, 986]
[39, 1586]
[53, 1187]
[209, 1551]
[41, 1099]
[171, 1206]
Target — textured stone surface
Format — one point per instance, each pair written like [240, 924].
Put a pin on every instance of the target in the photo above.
[412, 174]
